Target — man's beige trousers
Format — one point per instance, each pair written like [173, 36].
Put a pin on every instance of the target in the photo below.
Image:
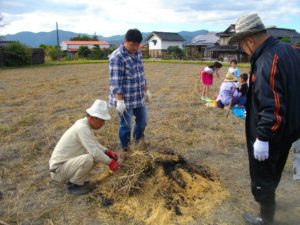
[74, 170]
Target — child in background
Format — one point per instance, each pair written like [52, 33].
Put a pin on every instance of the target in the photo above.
[243, 89]
[206, 76]
[227, 91]
[233, 68]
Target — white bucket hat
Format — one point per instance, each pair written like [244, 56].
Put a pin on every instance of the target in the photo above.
[230, 77]
[99, 109]
[245, 26]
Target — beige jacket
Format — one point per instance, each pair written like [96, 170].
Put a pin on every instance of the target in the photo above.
[77, 140]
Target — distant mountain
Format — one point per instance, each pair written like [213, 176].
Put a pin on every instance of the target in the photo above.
[36, 39]
[49, 38]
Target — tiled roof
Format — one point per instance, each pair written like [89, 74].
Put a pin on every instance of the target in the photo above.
[228, 32]
[72, 49]
[86, 42]
[208, 39]
[226, 48]
[166, 36]
[275, 32]
[282, 32]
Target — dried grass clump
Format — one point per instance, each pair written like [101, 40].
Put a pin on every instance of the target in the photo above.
[134, 171]
[158, 186]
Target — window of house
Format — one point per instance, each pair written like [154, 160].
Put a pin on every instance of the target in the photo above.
[154, 41]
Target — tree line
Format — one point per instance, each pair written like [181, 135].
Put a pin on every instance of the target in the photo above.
[18, 54]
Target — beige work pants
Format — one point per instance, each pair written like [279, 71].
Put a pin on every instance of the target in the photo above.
[75, 170]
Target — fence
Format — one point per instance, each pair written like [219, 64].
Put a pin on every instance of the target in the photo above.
[38, 56]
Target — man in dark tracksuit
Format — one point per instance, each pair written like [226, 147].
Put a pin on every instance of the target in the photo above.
[273, 110]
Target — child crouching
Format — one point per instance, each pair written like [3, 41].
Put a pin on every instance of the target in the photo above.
[227, 91]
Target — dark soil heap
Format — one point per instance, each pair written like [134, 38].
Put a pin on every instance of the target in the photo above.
[160, 188]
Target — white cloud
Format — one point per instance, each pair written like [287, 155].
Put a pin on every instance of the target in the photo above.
[116, 16]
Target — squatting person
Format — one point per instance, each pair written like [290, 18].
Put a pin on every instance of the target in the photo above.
[78, 150]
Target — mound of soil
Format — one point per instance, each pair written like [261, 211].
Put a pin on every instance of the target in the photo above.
[160, 188]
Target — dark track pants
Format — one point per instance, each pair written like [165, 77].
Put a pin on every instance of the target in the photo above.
[265, 175]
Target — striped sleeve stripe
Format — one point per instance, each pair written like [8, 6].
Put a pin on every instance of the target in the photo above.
[276, 97]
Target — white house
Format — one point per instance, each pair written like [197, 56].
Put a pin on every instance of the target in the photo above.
[73, 46]
[159, 42]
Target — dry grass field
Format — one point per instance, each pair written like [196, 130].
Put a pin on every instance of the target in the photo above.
[39, 103]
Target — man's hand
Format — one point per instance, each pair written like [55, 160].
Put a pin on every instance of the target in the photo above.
[121, 106]
[111, 154]
[148, 95]
[261, 150]
[114, 165]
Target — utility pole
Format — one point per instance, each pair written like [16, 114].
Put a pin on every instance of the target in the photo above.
[58, 47]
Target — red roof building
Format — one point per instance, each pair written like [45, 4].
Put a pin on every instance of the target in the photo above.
[73, 46]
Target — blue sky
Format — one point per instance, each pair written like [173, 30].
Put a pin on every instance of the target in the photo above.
[111, 17]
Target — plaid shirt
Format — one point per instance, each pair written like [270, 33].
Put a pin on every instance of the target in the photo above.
[127, 78]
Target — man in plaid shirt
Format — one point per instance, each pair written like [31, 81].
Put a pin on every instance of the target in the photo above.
[128, 87]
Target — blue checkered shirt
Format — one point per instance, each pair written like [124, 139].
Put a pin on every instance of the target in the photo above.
[127, 77]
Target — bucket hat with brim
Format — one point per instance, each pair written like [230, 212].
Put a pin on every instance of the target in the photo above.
[246, 26]
[99, 109]
[230, 77]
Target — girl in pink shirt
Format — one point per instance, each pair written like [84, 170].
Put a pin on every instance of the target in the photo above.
[206, 77]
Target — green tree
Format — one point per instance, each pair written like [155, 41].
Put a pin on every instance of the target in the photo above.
[43, 46]
[285, 39]
[95, 38]
[84, 52]
[53, 52]
[81, 38]
[96, 52]
[175, 52]
[17, 54]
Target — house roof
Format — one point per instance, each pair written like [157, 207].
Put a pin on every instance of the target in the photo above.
[166, 36]
[227, 48]
[228, 32]
[86, 42]
[72, 49]
[208, 39]
[282, 32]
[275, 32]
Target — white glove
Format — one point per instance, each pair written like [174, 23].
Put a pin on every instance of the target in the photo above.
[236, 84]
[121, 106]
[261, 150]
[148, 95]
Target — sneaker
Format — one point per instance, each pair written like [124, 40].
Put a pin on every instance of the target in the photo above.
[76, 189]
[254, 220]
[203, 98]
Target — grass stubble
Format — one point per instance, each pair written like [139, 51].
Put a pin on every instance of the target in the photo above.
[39, 104]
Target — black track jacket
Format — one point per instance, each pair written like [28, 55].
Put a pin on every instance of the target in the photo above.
[273, 99]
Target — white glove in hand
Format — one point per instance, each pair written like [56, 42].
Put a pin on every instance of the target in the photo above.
[148, 95]
[261, 150]
[121, 106]
[236, 84]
